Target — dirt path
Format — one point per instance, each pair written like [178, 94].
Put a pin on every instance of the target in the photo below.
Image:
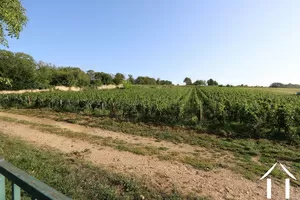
[219, 184]
[183, 148]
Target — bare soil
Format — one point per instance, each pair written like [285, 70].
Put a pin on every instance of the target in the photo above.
[61, 88]
[165, 175]
[183, 148]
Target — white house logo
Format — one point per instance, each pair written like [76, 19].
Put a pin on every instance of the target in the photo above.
[287, 181]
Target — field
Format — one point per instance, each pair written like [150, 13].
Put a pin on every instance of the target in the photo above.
[232, 111]
[154, 142]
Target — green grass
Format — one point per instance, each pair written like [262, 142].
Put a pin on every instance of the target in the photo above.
[244, 150]
[121, 145]
[277, 90]
[75, 178]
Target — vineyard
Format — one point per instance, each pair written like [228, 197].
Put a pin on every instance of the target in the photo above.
[236, 112]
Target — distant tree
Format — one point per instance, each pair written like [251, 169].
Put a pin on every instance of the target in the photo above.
[91, 74]
[165, 82]
[158, 81]
[281, 85]
[119, 78]
[45, 73]
[200, 82]
[277, 85]
[212, 82]
[103, 78]
[12, 19]
[145, 80]
[187, 81]
[70, 76]
[130, 79]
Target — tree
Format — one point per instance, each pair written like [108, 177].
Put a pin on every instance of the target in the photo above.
[200, 82]
[45, 73]
[277, 85]
[187, 81]
[165, 82]
[212, 82]
[91, 74]
[119, 78]
[70, 76]
[18, 67]
[12, 19]
[145, 80]
[130, 79]
[158, 81]
[5, 82]
[103, 78]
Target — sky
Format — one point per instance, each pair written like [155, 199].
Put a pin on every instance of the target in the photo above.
[254, 42]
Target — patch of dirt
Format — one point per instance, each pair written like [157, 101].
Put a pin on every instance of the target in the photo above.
[22, 91]
[255, 159]
[219, 184]
[182, 148]
[61, 88]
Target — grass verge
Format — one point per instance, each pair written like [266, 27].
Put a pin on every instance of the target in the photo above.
[161, 152]
[76, 178]
[253, 157]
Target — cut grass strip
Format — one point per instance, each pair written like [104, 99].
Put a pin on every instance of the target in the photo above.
[76, 178]
[244, 149]
[121, 145]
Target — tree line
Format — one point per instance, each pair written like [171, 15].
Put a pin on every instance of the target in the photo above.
[188, 81]
[281, 85]
[20, 71]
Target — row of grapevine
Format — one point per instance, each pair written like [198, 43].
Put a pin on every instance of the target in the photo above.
[144, 104]
[252, 113]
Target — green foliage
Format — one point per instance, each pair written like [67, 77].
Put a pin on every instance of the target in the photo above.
[200, 82]
[235, 112]
[5, 82]
[103, 78]
[130, 79]
[18, 67]
[212, 82]
[12, 19]
[70, 76]
[73, 177]
[164, 82]
[45, 73]
[281, 85]
[91, 74]
[26, 73]
[187, 81]
[145, 80]
[127, 84]
[118, 78]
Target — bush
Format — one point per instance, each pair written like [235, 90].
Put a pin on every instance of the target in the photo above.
[126, 84]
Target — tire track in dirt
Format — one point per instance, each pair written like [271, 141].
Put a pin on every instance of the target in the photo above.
[219, 184]
[182, 148]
